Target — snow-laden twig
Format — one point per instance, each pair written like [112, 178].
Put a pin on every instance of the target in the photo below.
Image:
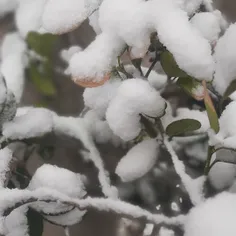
[17, 198]
[75, 127]
[194, 187]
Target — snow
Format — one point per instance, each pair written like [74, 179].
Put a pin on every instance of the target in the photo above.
[66, 54]
[197, 60]
[131, 25]
[28, 16]
[76, 127]
[134, 97]
[155, 79]
[7, 6]
[16, 223]
[93, 21]
[100, 129]
[220, 210]
[226, 136]
[208, 24]
[72, 13]
[5, 159]
[99, 98]
[222, 174]
[138, 161]
[35, 123]
[13, 50]
[225, 60]
[15, 79]
[96, 60]
[59, 179]
[166, 232]
[12, 44]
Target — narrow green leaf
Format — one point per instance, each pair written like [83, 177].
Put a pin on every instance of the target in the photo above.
[183, 126]
[170, 66]
[211, 112]
[231, 88]
[35, 222]
[43, 44]
[192, 87]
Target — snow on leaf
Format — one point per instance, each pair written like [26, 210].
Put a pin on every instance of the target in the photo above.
[36, 122]
[72, 13]
[59, 179]
[28, 16]
[215, 210]
[138, 161]
[134, 97]
[99, 98]
[96, 61]
[225, 60]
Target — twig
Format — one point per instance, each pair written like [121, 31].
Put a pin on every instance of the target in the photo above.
[194, 187]
[119, 207]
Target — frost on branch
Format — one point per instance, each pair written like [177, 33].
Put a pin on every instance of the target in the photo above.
[138, 161]
[134, 97]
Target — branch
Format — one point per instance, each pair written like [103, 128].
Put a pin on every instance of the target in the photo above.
[119, 207]
[194, 187]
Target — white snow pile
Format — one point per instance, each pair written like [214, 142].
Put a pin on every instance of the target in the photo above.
[100, 130]
[208, 24]
[5, 159]
[226, 137]
[34, 123]
[59, 179]
[66, 54]
[7, 6]
[99, 98]
[134, 97]
[155, 79]
[97, 60]
[13, 51]
[134, 29]
[138, 161]
[219, 211]
[72, 13]
[225, 60]
[28, 16]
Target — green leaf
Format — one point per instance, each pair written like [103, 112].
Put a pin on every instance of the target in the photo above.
[43, 44]
[42, 78]
[231, 88]
[170, 66]
[183, 126]
[35, 222]
[192, 87]
[211, 112]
